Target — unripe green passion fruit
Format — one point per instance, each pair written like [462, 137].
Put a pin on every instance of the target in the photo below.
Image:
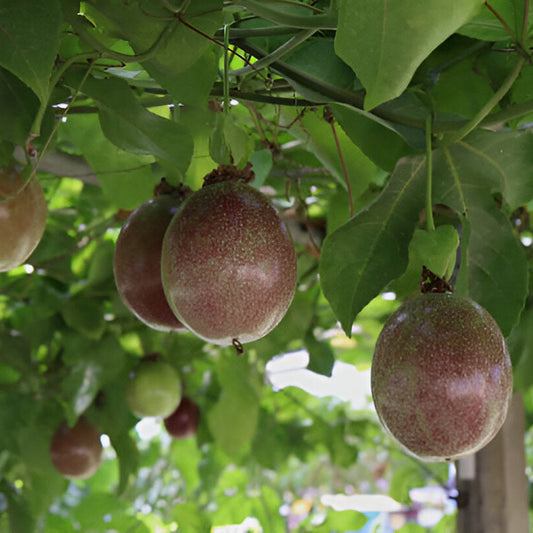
[441, 376]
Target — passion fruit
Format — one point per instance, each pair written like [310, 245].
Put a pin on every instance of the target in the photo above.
[228, 264]
[76, 452]
[137, 262]
[441, 376]
[22, 217]
[184, 421]
[154, 389]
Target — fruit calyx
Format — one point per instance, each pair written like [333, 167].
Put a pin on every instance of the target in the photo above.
[229, 173]
[180, 192]
[431, 283]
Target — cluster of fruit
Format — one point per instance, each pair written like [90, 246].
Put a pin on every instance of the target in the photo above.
[153, 390]
[218, 262]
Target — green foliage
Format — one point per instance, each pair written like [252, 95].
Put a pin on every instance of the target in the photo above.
[339, 106]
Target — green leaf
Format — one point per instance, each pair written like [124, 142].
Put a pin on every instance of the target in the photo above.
[261, 165]
[321, 356]
[17, 509]
[520, 344]
[485, 25]
[384, 41]
[128, 457]
[190, 518]
[436, 249]
[186, 456]
[340, 521]
[18, 106]
[85, 315]
[494, 266]
[375, 137]
[126, 179]
[29, 41]
[403, 480]
[134, 129]
[505, 160]
[233, 419]
[80, 389]
[317, 59]
[360, 257]
[370, 250]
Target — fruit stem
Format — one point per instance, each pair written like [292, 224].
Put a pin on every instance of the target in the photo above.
[239, 349]
[430, 223]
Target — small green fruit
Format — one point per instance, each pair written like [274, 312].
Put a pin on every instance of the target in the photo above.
[441, 376]
[154, 389]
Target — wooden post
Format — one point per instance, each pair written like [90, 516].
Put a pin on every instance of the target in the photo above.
[493, 488]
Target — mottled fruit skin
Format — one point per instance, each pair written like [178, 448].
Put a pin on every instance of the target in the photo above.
[22, 218]
[137, 263]
[76, 452]
[183, 422]
[441, 376]
[154, 389]
[228, 264]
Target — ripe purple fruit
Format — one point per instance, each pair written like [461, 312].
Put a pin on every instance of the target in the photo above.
[76, 452]
[441, 376]
[228, 264]
[22, 218]
[183, 422]
[137, 262]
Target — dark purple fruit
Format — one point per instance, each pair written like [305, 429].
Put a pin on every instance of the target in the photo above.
[228, 264]
[22, 218]
[137, 263]
[441, 376]
[183, 422]
[76, 452]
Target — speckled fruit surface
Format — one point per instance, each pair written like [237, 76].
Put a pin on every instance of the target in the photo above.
[228, 264]
[76, 452]
[137, 263]
[22, 218]
[441, 376]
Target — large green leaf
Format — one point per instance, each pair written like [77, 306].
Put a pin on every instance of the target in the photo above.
[363, 255]
[233, 419]
[384, 41]
[29, 40]
[134, 129]
[376, 138]
[183, 61]
[126, 179]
